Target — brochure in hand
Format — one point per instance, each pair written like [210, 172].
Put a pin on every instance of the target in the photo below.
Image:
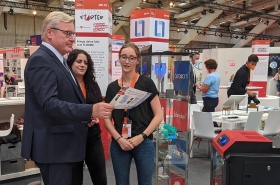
[129, 99]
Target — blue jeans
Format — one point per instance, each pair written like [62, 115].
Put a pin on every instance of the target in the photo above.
[143, 155]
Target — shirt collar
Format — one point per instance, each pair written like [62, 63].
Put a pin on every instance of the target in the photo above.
[57, 54]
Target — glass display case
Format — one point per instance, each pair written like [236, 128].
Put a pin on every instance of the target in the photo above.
[172, 150]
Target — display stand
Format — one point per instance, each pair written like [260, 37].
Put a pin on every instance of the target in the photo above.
[171, 159]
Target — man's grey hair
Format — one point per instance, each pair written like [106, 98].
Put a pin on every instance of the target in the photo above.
[53, 19]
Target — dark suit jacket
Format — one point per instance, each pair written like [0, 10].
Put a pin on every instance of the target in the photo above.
[56, 116]
[191, 86]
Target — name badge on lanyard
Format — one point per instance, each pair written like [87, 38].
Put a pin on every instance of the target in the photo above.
[127, 123]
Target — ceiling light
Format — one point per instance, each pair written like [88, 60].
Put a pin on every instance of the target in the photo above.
[178, 29]
[144, 1]
[211, 11]
[267, 22]
[116, 23]
[11, 11]
[216, 34]
[34, 12]
[203, 12]
[238, 16]
[171, 4]
[159, 4]
[260, 20]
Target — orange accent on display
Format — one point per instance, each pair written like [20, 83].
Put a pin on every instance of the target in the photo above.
[149, 12]
[81, 34]
[147, 39]
[261, 92]
[118, 37]
[93, 4]
[261, 42]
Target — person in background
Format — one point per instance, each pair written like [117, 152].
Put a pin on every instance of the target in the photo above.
[210, 87]
[56, 115]
[9, 80]
[277, 77]
[142, 121]
[242, 79]
[82, 67]
[194, 57]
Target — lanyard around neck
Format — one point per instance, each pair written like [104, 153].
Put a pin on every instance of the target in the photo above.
[133, 80]
[132, 86]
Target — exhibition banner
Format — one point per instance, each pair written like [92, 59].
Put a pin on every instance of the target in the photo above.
[259, 75]
[93, 26]
[180, 115]
[181, 76]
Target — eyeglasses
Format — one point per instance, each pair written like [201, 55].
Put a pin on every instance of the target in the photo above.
[67, 33]
[123, 58]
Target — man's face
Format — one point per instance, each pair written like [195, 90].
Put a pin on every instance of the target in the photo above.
[61, 37]
[251, 65]
[195, 58]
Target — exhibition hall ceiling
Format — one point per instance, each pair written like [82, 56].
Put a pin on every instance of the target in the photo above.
[189, 17]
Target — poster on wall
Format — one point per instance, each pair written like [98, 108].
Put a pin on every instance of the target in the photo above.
[93, 26]
[181, 76]
[273, 64]
[116, 70]
[96, 49]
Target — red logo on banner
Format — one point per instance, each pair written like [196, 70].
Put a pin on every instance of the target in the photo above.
[16, 49]
[180, 115]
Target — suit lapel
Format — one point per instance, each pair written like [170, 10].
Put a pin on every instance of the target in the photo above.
[67, 73]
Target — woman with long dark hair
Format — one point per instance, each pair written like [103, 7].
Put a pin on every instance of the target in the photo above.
[81, 66]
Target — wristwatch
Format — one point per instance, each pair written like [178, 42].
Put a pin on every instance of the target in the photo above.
[144, 135]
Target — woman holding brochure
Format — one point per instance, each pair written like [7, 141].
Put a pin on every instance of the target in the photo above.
[133, 128]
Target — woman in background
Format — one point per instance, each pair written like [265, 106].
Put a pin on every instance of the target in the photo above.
[139, 121]
[81, 65]
[210, 87]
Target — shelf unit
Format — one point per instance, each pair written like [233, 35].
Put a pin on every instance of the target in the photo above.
[171, 160]
[16, 106]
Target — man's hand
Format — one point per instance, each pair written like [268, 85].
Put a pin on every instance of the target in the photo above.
[251, 93]
[102, 110]
[93, 122]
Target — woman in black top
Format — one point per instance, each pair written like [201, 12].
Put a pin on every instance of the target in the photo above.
[142, 121]
[81, 65]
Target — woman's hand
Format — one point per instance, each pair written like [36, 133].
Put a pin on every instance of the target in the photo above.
[136, 140]
[125, 144]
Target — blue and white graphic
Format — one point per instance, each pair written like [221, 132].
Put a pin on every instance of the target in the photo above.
[273, 65]
[139, 28]
[159, 28]
[181, 76]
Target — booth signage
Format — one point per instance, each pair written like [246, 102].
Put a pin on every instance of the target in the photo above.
[181, 76]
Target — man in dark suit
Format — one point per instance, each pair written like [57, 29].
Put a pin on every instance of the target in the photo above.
[194, 57]
[56, 116]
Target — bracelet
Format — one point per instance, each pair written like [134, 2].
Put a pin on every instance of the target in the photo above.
[118, 138]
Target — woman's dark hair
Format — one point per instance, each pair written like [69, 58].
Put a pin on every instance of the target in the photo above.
[211, 64]
[92, 88]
